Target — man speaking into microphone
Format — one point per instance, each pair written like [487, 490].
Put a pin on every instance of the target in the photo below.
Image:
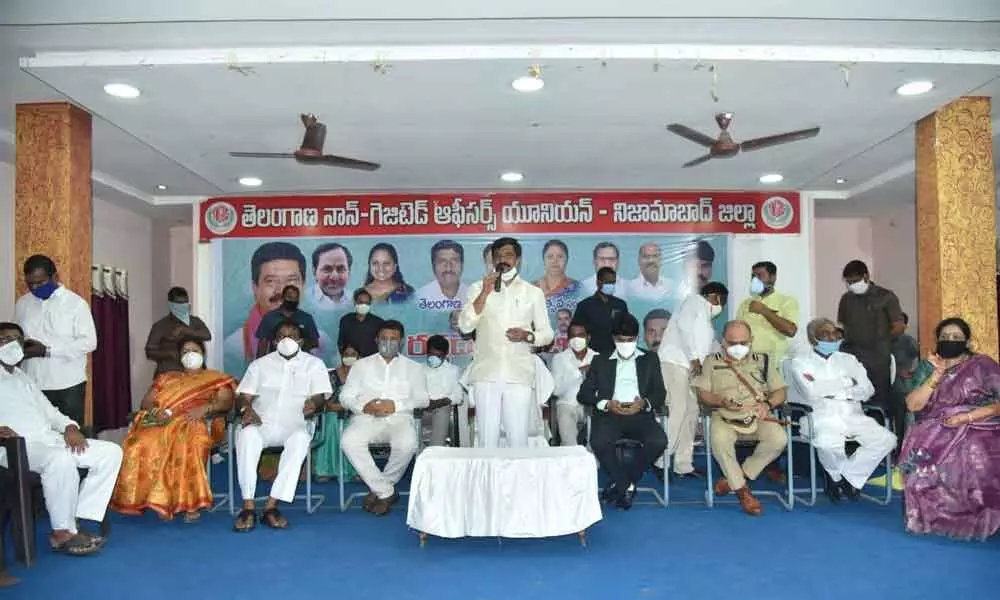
[508, 316]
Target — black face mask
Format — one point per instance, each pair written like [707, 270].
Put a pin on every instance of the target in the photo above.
[290, 305]
[951, 348]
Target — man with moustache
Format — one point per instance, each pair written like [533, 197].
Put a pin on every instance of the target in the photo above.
[605, 255]
[654, 324]
[446, 291]
[650, 284]
[332, 263]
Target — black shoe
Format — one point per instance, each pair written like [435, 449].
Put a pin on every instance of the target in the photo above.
[624, 502]
[849, 490]
[659, 473]
[832, 488]
[611, 494]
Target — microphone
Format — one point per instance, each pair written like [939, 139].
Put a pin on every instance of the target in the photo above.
[497, 283]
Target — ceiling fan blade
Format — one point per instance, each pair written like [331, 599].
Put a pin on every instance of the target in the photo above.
[340, 161]
[697, 161]
[261, 155]
[695, 136]
[781, 138]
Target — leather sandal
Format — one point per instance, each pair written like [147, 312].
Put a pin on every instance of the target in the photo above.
[245, 521]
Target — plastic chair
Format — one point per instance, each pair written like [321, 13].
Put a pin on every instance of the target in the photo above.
[379, 450]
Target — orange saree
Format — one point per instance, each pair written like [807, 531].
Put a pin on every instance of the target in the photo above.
[163, 468]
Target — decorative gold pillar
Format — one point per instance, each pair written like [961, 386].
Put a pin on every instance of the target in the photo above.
[956, 222]
[53, 207]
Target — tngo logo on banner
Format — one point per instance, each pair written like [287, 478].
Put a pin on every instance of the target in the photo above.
[220, 218]
[777, 212]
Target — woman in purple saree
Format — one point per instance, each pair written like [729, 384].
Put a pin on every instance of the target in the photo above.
[951, 457]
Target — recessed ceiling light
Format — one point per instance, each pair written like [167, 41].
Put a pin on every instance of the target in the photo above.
[121, 90]
[251, 181]
[915, 88]
[511, 177]
[528, 83]
[840, 181]
[161, 187]
[772, 178]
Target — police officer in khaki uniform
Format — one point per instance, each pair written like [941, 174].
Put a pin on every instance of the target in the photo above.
[742, 387]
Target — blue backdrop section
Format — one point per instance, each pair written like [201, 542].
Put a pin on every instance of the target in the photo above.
[421, 315]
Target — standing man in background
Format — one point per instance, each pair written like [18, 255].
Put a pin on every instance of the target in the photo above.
[773, 317]
[161, 345]
[599, 312]
[60, 333]
[605, 255]
[358, 329]
[509, 317]
[289, 311]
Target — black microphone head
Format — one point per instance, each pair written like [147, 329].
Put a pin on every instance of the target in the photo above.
[497, 283]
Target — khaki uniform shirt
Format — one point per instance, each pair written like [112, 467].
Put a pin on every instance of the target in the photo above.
[719, 377]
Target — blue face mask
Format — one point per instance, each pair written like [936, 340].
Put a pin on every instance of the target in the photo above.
[608, 289]
[757, 287]
[45, 291]
[826, 348]
[181, 310]
[434, 361]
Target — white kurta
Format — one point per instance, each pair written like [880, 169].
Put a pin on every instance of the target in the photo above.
[65, 325]
[567, 378]
[835, 387]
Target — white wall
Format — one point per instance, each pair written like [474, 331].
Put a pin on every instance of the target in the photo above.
[182, 257]
[835, 243]
[7, 297]
[894, 252]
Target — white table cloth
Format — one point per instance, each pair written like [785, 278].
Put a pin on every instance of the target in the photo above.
[504, 492]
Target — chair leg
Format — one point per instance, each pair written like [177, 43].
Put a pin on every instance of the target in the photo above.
[230, 465]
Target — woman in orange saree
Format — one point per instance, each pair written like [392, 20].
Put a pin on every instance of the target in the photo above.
[168, 443]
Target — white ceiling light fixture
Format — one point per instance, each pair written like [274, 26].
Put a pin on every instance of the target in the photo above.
[122, 90]
[772, 178]
[161, 187]
[532, 82]
[511, 177]
[840, 181]
[915, 88]
[251, 181]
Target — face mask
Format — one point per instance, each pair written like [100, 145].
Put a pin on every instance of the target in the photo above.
[716, 310]
[577, 344]
[388, 348]
[181, 310]
[362, 309]
[608, 289]
[348, 361]
[509, 276]
[858, 287]
[288, 347]
[290, 305]
[192, 360]
[11, 353]
[951, 348]
[738, 352]
[434, 361]
[45, 291]
[757, 286]
[826, 347]
[625, 349]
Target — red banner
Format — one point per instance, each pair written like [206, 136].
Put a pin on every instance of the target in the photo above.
[502, 213]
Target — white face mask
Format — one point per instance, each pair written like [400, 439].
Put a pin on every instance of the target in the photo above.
[363, 309]
[715, 311]
[738, 352]
[349, 361]
[287, 347]
[192, 360]
[509, 276]
[11, 353]
[625, 349]
[577, 344]
[858, 287]
[434, 361]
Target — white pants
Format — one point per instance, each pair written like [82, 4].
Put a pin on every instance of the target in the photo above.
[569, 415]
[682, 419]
[507, 405]
[830, 436]
[66, 499]
[397, 431]
[251, 441]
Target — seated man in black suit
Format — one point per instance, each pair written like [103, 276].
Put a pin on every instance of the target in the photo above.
[625, 388]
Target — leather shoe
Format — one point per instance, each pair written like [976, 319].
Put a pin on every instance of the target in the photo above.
[832, 488]
[369, 502]
[722, 487]
[775, 474]
[624, 501]
[849, 490]
[748, 502]
[611, 494]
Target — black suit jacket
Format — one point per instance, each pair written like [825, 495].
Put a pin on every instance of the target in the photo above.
[599, 384]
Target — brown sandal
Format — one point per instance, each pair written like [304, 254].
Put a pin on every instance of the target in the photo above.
[78, 545]
[246, 521]
[272, 518]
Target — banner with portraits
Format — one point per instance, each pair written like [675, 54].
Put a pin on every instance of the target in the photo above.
[417, 255]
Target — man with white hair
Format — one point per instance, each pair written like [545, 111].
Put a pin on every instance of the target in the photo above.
[835, 384]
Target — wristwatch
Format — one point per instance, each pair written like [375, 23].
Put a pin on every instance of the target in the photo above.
[530, 338]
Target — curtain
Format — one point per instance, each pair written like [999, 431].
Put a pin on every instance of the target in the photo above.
[111, 361]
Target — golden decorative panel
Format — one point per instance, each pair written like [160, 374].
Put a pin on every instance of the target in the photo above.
[53, 205]
[956, 221]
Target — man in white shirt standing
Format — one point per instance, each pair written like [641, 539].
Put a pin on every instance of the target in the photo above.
[443, 389]
[835, 384]
[569, 367]
[686, 343]
[56, 449]
[381, 392]
[509, 317]
[60, 333]
[279, 391]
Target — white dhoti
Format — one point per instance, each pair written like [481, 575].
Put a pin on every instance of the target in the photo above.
[832, 432]
[398, 432]
[506, 405]
[251, 441]
[66, 497]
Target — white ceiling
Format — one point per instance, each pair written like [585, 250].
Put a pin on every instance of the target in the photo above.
[455, 124]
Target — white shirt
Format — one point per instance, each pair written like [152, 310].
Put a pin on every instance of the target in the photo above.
[497, 359]
[588, 287]
[641, 289]
[443, 382]
[65, 325]
[401, 380]
[430, 297]
[27, 411]
[567, 375]
[320, 301]
[626, 378]
[282, 386]
[689, 335]
[838, 384]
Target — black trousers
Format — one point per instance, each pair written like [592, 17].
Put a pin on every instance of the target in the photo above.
[607, 430]
[70, 401]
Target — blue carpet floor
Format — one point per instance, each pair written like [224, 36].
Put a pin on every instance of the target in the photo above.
[852, 550]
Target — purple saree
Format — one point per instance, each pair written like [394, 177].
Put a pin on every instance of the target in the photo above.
[952, 474]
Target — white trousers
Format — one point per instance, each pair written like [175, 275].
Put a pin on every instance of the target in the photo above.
[251, 441]
[569, 415]
[398, 432]
[682, 420]
[506, 405]
[66, 499]
[440, 420]
[832, 433]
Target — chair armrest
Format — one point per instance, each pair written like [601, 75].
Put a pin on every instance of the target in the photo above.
[793, 408]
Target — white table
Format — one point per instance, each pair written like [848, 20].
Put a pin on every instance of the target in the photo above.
[512, 493]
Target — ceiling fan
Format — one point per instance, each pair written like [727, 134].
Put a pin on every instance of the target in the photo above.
[725, 147]
[311, 152]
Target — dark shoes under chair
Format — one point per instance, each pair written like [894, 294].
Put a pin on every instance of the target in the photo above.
[379, 506]
[837, 490]
[621, 498]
